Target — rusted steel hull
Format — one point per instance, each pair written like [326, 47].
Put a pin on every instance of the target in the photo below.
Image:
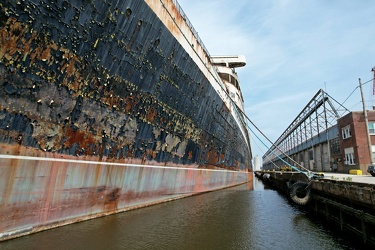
[45, 192]
[107, 106]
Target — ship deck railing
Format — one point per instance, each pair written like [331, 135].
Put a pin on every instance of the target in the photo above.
[195, 33]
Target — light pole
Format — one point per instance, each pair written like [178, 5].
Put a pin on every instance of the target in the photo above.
[366, 123]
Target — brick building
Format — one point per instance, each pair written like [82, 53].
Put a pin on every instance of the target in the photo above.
[355, 153]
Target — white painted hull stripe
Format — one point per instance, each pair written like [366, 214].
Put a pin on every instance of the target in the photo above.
[31, 158]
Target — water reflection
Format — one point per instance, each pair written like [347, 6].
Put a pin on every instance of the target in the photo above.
[236, 218]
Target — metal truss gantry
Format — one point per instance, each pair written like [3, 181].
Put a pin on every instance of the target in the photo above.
[318, 115]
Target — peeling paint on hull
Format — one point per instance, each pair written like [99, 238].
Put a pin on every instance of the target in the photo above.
[105, 108]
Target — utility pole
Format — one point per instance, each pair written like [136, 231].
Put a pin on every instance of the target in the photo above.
[366, 123]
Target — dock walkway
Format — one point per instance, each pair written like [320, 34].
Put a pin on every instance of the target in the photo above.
[355, 178]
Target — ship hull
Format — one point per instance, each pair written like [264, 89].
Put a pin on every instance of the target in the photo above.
[50, 192]
[107, 107]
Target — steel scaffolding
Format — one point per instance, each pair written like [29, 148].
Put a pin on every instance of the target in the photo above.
[320, 114]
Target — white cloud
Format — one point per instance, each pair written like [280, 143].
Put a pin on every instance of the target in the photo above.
[293, 48]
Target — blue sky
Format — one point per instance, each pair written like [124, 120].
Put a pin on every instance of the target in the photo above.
[293, 48]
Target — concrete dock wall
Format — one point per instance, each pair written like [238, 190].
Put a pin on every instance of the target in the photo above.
[346, 204]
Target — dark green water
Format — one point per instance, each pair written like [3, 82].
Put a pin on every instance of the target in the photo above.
[236, 218]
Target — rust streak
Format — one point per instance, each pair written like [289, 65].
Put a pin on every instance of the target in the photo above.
[79, 137]
[190, 156]
[151, 114]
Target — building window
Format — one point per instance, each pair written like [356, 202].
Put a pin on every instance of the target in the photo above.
[371, 128]
[349, 156]
[346, 133]
[335, 145]
[349, 159]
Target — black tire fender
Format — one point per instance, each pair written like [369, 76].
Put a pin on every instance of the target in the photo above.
[300, 193]
[267, 177]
